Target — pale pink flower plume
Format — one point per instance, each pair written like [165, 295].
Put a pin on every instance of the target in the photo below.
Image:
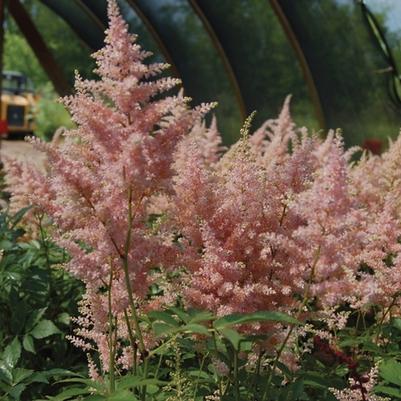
[103, 175]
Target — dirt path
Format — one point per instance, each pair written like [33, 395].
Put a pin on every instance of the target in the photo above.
[21, 150]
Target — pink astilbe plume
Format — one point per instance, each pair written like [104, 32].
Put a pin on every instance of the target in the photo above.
[284, 219]
[103, 175]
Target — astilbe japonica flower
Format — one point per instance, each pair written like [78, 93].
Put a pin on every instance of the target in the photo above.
[102, 176]
[284, 220]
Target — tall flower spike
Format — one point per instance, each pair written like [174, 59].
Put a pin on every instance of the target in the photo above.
[103, 176]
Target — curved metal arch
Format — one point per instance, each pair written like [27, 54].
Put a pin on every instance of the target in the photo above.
[87, 10]
[156, 36]
[221, 52]
[39, 47]
[83, 24]
[98, 9]
[302, 61]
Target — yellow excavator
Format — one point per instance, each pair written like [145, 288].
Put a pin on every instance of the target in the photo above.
[18, 104]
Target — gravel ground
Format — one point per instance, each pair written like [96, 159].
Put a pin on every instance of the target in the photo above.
[21, 150]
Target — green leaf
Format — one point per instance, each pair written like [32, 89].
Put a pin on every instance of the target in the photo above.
[200, 374]
[5, 373]
[34, 318]
[20, 374]
[262, 316]
[69, 393]
[39, 377]
[64, 318]
[160, 328]
[123, 395]
[297, 389]
[16, 391]
[18, 317]
[392, 391]
[181, 314]
[391, 371]
[96, 397]
[19, 215]
[44, 328]
[196, 328]
[88, 382]
[200, 316]
[396, 322]
[137, 381]
[233, 336]
[164, 317]
[6, 245]
[12, 353]
[27, 343]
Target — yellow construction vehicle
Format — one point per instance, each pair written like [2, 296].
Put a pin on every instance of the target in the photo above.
[18, 103]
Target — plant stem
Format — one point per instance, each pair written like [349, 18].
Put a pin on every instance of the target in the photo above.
[111, 342]
[257, 372]
[290, 331]
[236, 383]
[134, 345]
[126, 273]
[200, 370]
[135, 316]
[387, 311]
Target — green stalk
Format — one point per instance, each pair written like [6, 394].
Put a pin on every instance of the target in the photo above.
[200, 370]
[236, 383]
[393, 302]
[132, 340]
[290, 331]
[215, 346]
[135, 316]
[126, 273]
[111, 342]
[257, 372]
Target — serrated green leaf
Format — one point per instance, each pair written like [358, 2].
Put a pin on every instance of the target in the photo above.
[44, 328]
[392, 391]
[196, 328]
[200, 374]
[390, 371]
[64, 318]
[20, 374]
[34, 318]
[137, 381]
[12, 353]
[28, 344]
[6, 245]
[232, 336]
[163, 317]
[181, 314]
[69, 393]
[396, 322]
[39, 377]
[19, 215]
[123, 395]
[96, 397]
[160, 328]
[200, 316]
[17, 390]
[262, 316]
[87, 382]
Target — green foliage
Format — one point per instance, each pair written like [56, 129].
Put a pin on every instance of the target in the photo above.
[36, 301]
[51, 114]
[200, 355]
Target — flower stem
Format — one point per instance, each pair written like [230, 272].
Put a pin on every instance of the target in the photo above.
[236, 383]
[290, 331]
[111, 342]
